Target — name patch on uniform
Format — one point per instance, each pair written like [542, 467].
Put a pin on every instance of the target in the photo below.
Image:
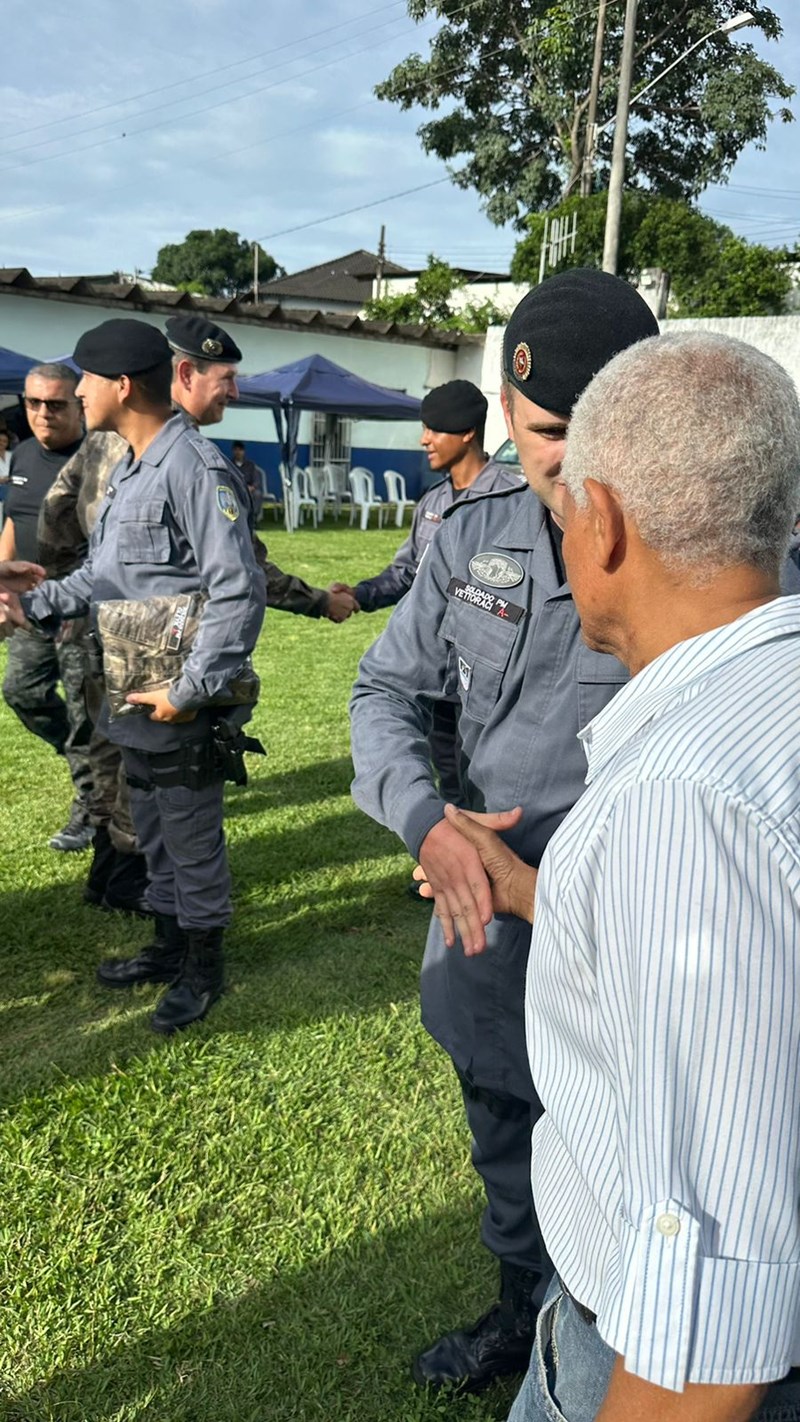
[486, 601]
[496, 569]
[226, 502]
[176, 630]
[464, 673]
[433, 517]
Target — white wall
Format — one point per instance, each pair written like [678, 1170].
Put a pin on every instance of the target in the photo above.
[43, 328]
[776, 336]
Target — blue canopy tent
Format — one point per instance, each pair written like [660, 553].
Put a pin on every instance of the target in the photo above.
[316, 383]
[13, 369]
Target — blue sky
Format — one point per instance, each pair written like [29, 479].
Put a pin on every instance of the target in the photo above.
[122, 134]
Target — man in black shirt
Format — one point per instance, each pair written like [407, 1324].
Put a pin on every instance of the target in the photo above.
[36, 663]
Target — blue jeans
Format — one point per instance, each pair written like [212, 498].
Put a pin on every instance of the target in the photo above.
[570, 1369]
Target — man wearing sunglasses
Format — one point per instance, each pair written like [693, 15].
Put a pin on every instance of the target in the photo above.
[36, 663]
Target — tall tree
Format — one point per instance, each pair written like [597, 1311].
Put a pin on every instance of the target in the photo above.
[514, 76]
[712, 271]
[214, 263]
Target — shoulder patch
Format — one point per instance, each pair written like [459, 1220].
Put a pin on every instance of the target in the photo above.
[466, 504]
[226, 502]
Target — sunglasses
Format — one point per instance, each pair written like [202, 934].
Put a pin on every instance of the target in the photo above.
[53, 407]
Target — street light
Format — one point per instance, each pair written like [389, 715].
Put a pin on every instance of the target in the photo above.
[620, 120]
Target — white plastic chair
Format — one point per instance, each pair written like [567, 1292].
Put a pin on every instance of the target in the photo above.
[362, 488]
[320, 492]
[289, 498]
[396, 491]
[305, 497]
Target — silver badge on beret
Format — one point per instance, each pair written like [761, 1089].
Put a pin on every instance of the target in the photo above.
[496, 570]
[210, 347]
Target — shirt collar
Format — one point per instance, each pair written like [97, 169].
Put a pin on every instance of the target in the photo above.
[160, 446]
[656, 687]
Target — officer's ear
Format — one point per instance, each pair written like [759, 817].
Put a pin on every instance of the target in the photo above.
[183, 370]
[124, 386]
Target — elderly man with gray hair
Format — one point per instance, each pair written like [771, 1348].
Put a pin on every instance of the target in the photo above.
[662, 985]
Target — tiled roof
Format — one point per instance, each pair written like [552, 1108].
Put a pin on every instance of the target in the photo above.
[347, 278]
[131, 297]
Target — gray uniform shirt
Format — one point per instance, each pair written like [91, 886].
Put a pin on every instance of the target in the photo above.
[387, 588]
[514, 659]
[170, 523]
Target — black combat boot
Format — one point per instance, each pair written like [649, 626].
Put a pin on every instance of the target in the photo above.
[158, 962]
[103, 857]
[498, 1344]
[126, 885]
[199, 985]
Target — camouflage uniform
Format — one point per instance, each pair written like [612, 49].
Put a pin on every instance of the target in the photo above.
[66, 520]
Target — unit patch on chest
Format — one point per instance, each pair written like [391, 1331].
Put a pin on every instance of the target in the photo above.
[433, 517]
[496, 570]
[464, 673]
[226, 502]
[486, 601]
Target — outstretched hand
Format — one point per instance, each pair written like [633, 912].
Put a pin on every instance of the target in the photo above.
[11, 607]
[19, 577]
[513, 882]
[341, 602]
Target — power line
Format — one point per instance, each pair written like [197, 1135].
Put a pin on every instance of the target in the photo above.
[362, 207]
[206, 73]
[198, 112]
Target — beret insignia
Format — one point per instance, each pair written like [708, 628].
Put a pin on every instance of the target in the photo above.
[523, 360]
[212, 348]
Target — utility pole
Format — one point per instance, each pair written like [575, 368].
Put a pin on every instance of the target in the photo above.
[255, 274]
[616, 180]
[381, 262]
[587, 171]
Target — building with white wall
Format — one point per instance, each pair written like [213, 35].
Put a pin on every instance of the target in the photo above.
[44, 317]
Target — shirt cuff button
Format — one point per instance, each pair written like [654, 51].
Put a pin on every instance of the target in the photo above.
[668, 1225]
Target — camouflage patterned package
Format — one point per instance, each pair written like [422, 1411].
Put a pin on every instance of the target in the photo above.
[145, 645]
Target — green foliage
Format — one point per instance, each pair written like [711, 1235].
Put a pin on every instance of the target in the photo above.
[429, 303]
[213, 263]
[266, 1216]
[712, 272]
[512, 77]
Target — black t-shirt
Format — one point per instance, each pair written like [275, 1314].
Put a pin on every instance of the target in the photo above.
[33, 471]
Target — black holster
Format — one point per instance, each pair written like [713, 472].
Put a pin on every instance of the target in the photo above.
[230, 744]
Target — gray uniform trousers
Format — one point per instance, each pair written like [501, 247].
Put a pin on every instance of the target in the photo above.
[179, 831]
[36, 664]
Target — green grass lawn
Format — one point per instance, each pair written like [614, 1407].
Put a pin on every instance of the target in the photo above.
[264, 1217]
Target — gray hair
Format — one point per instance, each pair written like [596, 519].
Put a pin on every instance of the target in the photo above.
[201, 366]
[54, 370]
[700, 437]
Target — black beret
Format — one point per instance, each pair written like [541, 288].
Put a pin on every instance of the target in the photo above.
[198, 337]
[567, 329]
[121, 347]
[454, 408]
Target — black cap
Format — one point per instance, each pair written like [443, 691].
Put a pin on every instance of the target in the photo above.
[454, 408]
[121, 347]
[199, 338]
[567, 329]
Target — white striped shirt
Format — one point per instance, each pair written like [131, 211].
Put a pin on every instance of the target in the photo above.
[663, 1013]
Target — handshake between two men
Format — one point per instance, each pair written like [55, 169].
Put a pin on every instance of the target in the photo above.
[471, 874]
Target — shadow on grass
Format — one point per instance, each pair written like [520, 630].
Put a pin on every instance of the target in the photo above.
[352, 949]
[332, 1341]
[309, 784]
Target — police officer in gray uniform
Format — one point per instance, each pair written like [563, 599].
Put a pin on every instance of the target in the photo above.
[205, 361]
[170, 524]
[490, 620]
[453, 423]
